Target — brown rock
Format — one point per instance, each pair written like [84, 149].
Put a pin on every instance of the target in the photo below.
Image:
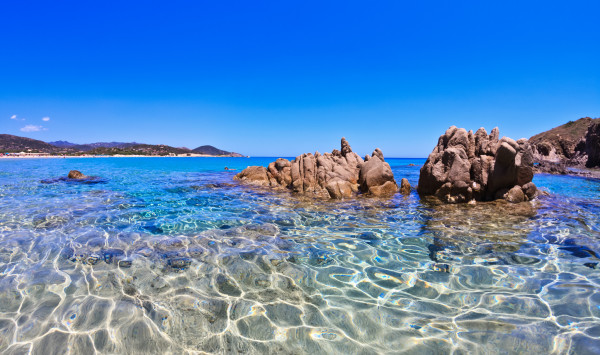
[592, 145]
[280, 172]
[76, 174]
[530, 190]
[339, 189]
[389, 188]
[376, 177]
[404, 186]
[253, 174]
[544, 148]
[466, 166]
[339, 174]
[515, 195]
[551, 168]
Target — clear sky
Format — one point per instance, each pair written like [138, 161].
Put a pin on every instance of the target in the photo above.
[286, 77]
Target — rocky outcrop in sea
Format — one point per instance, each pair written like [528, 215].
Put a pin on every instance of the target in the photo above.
[466, 167]
[75, 176]
[339, 174]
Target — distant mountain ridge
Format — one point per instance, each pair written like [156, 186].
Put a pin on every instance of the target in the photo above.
[62, 144]
[90, 146]
[14, 144]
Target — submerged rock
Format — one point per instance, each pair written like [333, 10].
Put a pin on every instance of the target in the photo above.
[466, 166]
[339, 174]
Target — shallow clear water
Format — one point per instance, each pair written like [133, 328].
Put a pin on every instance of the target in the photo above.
[169, 255]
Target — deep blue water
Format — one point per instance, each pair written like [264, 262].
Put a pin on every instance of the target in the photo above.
[171, 255]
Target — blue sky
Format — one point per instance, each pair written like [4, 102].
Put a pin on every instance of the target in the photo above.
[282, 77]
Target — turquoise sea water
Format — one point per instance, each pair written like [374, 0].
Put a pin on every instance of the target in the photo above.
[169, 255]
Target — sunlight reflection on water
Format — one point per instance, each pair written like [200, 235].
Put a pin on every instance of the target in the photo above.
[170, 255]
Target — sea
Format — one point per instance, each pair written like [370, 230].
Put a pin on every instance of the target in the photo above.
[172, 256]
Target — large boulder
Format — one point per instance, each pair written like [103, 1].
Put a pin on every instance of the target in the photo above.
[376, 177]
[466, 166]
[254, 174]
[339, 174]
[592, 145]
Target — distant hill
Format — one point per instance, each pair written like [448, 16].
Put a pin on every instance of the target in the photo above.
[561, 142]
[138, 149]
[90, 146]
[210, 150]
[15, 144]
[63, 144]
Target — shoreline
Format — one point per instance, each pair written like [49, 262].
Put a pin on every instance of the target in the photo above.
[114, 156]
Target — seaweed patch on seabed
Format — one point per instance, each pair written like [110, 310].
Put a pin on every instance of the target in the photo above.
[86, 180]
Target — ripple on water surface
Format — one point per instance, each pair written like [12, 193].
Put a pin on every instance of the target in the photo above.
[168, 255]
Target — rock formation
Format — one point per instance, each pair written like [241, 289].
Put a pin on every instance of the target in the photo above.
[339, 174]
[561, 148]
[75, 177]
[562, 143]
[76, 174]
[548, 167]
[466, 166]
[592, 145]
[404, 186]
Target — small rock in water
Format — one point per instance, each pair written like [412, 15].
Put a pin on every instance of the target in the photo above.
[112, 254]
[530, 190]
[129, 290]
[92, 260]
[404, 186]
[515, 195]
[441, 268]
[124, 264]
[76, 174]
[180, 263]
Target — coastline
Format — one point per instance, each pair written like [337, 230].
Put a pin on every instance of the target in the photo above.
[3, 157]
